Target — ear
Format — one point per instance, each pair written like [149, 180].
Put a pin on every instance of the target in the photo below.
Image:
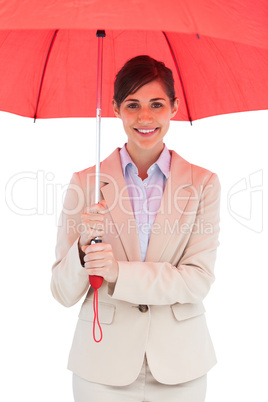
[116, 109]
[175, 108]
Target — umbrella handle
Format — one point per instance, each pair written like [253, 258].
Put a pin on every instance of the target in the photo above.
[95, 280]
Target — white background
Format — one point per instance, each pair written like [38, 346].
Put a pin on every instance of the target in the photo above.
[37, 161]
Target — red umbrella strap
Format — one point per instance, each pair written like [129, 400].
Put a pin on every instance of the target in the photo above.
[96, 316]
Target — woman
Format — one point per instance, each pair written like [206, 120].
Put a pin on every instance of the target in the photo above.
[159, 222]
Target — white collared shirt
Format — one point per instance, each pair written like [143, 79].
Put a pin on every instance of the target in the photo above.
[145, 195]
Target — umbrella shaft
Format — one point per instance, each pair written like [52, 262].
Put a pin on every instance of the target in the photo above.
[100, 36]
[97, 168]
[99, 70]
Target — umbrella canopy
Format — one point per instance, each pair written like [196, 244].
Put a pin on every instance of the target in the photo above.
[218, 52]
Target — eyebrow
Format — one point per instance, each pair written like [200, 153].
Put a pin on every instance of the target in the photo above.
[151, 100]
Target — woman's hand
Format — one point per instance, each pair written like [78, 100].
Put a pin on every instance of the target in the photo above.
[92, 223]
[100, 260]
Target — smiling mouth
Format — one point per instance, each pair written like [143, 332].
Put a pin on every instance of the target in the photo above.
[146, 132]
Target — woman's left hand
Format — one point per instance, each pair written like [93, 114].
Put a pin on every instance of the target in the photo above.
[100, 260]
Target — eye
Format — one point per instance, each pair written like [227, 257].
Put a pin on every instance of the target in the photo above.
[132, 105]
[157, 105]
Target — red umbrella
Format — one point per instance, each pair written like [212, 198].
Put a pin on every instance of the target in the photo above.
[48, 52]
[218, 52]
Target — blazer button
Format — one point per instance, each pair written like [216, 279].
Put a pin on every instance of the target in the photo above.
[143, 308]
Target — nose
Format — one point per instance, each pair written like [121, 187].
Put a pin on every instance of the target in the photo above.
[145, 115]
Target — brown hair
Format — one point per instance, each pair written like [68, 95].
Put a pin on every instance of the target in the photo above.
[139, 71]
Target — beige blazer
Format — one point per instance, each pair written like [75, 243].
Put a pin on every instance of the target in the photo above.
[173, 281]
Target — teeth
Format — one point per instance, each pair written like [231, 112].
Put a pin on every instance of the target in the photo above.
[145, 131]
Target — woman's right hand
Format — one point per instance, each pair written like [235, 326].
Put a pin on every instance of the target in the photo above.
[92, 223]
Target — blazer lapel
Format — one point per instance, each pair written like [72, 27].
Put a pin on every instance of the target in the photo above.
[175, 198]
[115, 193]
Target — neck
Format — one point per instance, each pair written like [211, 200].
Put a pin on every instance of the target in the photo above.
[144, 158]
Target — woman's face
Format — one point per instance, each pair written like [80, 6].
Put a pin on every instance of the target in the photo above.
[146, 117]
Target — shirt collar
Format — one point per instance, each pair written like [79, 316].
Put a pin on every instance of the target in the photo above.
[125, 159]
[163, 162]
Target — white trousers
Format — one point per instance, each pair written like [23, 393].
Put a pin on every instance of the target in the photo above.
[144, 389]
